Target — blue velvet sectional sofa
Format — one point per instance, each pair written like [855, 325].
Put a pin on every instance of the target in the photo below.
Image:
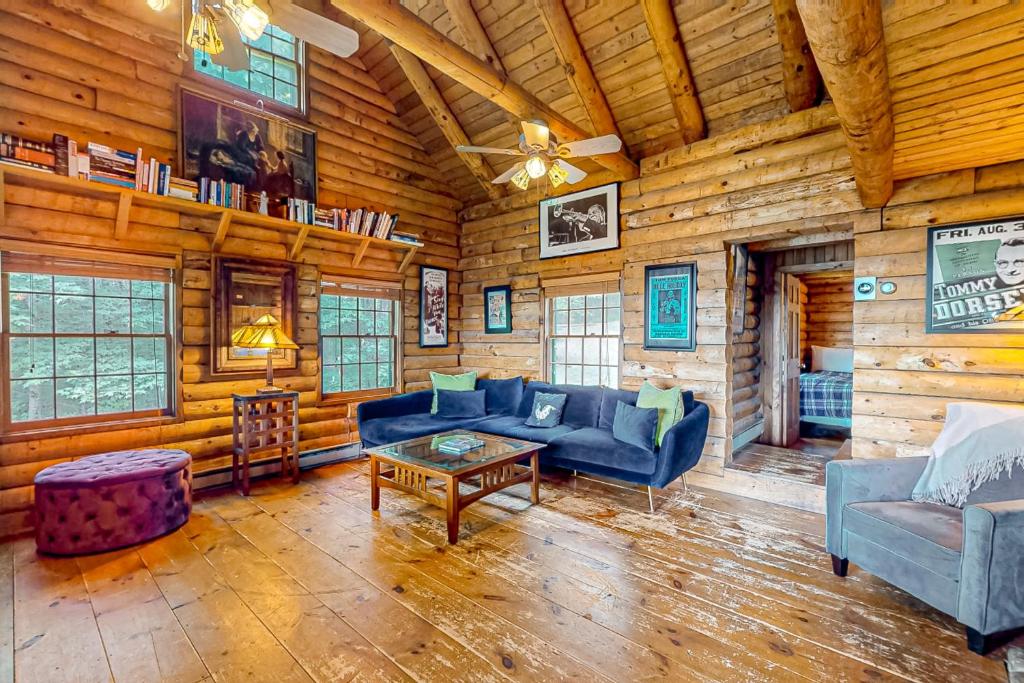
[583, 441]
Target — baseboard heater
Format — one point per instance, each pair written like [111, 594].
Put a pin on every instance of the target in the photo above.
[221, 476]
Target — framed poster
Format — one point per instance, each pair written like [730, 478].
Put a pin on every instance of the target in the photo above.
[498, 310]
[976, 277]
[262, 151]
[433, 307]
[670, 307]
[580, 223]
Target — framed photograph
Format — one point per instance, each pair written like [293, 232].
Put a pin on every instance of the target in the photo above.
[670, 307]
[498, 310]
[262, 151]
[243, 291]
[433, 307]
[580, 223]
[976, 277]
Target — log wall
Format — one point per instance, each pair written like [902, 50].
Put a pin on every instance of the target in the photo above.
[107, 72]
[828, 313]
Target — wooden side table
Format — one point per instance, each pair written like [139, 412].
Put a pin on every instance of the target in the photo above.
[262, 423]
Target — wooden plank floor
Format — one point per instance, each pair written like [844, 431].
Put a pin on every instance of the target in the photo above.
[804, 462]
[301, 583]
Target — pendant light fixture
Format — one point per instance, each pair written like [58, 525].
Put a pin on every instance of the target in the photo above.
[158, 5]
[250, 19]
[202, 32]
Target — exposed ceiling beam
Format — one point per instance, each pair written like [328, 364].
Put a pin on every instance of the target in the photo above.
[577, 68]
[661, 24]
[442, 114]
[849, 47]
[391, 20]
[800, 76]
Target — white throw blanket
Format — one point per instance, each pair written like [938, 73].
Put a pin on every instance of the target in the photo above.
[978, 443]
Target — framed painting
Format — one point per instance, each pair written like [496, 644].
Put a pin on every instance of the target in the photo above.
[670, 307]
[580, 223]
[976, 278]
[243, 291]
[238, 144]
[433, 307]
[498, 310]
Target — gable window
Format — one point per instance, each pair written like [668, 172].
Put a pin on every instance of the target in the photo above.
[84, 342]
[584, 334]
[275, 67]
[359, 340]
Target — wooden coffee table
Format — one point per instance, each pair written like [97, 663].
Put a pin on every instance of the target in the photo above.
[494, 466]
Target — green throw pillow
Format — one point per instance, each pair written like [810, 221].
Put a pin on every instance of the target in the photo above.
[669, 403]
[463, 382]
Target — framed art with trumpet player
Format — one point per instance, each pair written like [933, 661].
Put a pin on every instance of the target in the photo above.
[580, 223]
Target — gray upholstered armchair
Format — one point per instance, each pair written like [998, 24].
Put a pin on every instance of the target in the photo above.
[967, 563]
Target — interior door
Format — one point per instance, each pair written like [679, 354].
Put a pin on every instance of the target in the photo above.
[790, 360]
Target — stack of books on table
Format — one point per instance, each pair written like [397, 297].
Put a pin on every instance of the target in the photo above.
[458, 445]
[25, 153]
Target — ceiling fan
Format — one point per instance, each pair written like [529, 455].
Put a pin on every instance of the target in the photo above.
[545, 155]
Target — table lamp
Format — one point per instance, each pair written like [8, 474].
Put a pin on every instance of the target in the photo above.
[265, 333]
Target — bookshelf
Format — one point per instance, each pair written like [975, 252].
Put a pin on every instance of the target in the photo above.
[227, 218]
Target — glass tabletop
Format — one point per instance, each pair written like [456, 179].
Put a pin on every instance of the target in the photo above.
[427, 451]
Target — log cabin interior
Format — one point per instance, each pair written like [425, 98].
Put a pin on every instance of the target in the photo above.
[473, 340]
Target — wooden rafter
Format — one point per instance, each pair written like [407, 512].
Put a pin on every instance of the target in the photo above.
[800, 76]
[661, 23]
[846, 37]
[442, 114]
[577, 68]
[391, 20]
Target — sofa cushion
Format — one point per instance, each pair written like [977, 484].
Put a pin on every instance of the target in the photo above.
[515, 427]
[609, 402]
[455, 404]
[383, 430]
[526, 403]
[464, 382]
[503, 395]
[635, 426]
[598, 447]
[668, 402]
[581, 407]
[927, 534]
[547, 410]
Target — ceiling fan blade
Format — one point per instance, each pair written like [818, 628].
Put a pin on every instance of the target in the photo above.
[575, 174]
[235, 56]
[536, 134]
[507, 175]
[487, 150]
[606, 144]
[313, 28]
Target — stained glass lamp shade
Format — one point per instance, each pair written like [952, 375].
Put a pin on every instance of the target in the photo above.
[265, 333]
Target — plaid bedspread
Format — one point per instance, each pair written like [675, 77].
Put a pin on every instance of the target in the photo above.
[826, 394]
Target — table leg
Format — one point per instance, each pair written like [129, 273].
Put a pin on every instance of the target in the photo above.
[245, 471]
[374, 483]
[535, 484]
[453, 510]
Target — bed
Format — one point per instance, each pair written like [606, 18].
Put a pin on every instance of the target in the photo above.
[826, 393]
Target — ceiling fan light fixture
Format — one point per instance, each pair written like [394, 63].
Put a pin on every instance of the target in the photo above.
[557, 175]
[158, 5]
[202, 33]
[535, 166]
[250, 19]
[521, 179]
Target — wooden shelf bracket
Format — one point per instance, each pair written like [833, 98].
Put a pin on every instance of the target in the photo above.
[300, 241]
[124, 208]
[222, 231]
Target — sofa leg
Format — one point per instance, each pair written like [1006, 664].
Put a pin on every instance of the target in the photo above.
[982, 644]
[840, 565]
[650, 498]
[686, 489]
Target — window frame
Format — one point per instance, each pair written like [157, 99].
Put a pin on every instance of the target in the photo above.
[251, 97]
[13, 430]
[603, 288]
[364, 289]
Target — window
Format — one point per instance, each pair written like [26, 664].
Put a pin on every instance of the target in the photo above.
[358, 338]
[275, 67]
[85, 342]
[584, 336]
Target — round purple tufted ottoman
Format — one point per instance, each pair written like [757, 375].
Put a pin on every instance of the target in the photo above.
[112, 500]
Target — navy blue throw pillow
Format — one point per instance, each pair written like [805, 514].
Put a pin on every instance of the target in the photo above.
[547, 410]
[635, 426]
[456, 404]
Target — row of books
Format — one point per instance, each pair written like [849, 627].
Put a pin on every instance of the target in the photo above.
[19, 151]
[221, 193]
[459, 445]
[358, 221]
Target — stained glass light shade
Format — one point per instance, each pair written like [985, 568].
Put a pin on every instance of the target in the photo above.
[265, 333]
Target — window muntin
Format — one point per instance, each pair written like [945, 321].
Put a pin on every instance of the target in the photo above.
[358, 339]
[275, 67]
[584, 338]
[84, 348]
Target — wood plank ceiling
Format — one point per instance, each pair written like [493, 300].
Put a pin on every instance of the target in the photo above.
[954, 68]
